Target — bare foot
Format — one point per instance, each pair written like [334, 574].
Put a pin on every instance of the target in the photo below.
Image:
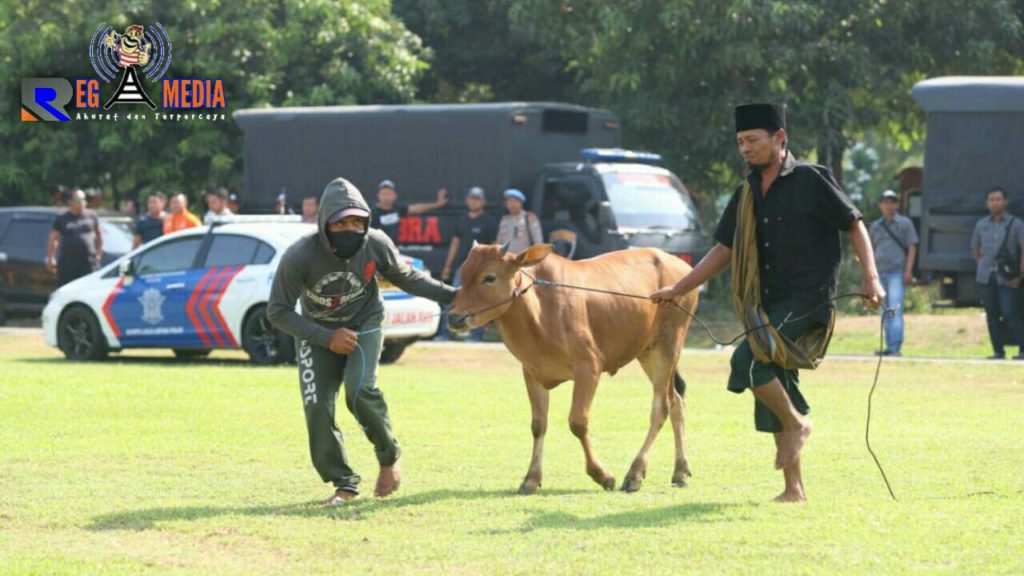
[791, 496]
[388, 481]
[790, 443]
[340, 498]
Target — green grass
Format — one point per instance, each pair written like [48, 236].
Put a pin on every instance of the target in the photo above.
[150, 466]
[950, 333]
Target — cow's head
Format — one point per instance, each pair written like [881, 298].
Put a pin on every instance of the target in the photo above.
[490, 283]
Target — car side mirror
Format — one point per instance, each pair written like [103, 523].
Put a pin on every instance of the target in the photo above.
[605, 216]
[127, 268]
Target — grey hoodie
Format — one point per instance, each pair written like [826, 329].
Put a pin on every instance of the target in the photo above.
[336, 293]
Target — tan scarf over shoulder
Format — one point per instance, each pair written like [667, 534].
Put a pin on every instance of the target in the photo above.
[767, 343]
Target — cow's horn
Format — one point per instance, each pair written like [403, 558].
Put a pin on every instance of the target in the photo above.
[504, 248]
[475, 243]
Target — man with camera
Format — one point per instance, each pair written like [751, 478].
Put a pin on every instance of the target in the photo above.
[998, 248]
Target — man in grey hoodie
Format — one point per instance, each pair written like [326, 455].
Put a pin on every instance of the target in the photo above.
[338, 334]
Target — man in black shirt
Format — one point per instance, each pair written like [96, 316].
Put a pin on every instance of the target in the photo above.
[798, 214]
[473, 226]
[389, 212]
[150, 226]
[77, 233]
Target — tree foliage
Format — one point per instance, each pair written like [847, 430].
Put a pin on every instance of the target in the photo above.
[671, 69]
[674, 69]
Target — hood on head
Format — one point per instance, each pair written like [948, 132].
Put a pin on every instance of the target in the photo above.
[338, 195]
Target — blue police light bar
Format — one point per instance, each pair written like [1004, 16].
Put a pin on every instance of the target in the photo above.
[619, 155]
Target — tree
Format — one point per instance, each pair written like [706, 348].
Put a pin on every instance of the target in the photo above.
[268, 53]
[674, 69]
[477, 56]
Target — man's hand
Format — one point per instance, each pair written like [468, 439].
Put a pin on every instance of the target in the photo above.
[51, 265]
[442, 197]
[446, 274]
[1015, 283]
[665, 295]
[908, 278]
[99, 260]
[873, 293]
[344, 341]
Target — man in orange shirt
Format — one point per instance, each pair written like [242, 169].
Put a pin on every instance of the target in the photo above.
[180, 218]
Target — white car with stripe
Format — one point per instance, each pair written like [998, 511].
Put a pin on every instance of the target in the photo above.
[203, 289]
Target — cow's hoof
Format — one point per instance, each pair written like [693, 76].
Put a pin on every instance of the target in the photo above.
[608, 483]
[528, 488]
[680, 482]
[632, 484]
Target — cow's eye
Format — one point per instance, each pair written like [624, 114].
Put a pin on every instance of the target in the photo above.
[489, 279]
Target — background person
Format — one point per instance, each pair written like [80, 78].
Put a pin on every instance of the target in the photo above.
[895, 242]
[310, 206]
[1000, 293]
[389, 211]
[217, 204]
[150, 225]
[78, 236]
[474, 225]
[519, 228]
[179, 218]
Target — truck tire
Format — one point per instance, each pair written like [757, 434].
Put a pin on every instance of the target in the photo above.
[393, 350]
[79, 335]
[191, 353]
[265, 344]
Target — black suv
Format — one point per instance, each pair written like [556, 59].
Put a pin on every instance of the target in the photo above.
[25, 283]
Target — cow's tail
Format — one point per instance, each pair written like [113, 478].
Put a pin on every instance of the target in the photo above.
[679, 383]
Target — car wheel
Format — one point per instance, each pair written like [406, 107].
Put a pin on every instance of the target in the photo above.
[393, 350]
[191, 354]
[263, 343]
[79, 336]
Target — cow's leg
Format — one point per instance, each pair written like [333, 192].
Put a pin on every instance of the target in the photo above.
[677, 404]
[677, 410]
[538, 426]
[584, 388]
[660, 371]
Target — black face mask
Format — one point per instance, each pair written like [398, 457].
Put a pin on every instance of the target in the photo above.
[346, 243]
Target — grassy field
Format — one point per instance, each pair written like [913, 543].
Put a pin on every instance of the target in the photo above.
[146, 465]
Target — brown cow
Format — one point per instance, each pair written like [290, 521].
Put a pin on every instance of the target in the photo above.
[561, 334]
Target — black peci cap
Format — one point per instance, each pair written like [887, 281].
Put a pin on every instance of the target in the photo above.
[765, 116]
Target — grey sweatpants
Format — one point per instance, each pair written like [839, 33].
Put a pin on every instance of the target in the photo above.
[321, 373]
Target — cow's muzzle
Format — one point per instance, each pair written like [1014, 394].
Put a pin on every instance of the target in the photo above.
[457, 321]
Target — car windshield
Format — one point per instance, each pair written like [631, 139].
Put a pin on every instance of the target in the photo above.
[645, 200]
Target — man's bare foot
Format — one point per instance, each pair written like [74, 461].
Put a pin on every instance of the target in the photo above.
[388, 481]
[791, 496]
[340, 498]
[790, 443]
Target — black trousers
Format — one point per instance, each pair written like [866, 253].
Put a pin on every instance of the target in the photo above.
[321, 375]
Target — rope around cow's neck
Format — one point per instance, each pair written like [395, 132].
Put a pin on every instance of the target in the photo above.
[888, 313]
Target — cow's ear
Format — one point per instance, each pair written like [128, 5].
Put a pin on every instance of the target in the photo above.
[533, 255]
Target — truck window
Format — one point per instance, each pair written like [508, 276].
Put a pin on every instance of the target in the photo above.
[565, 121]
[645, 200]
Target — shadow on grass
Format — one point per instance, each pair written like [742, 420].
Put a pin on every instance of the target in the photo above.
[705, 512]
[148, 518]
[142, 360]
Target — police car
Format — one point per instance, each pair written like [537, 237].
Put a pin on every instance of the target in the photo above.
[203, 289]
